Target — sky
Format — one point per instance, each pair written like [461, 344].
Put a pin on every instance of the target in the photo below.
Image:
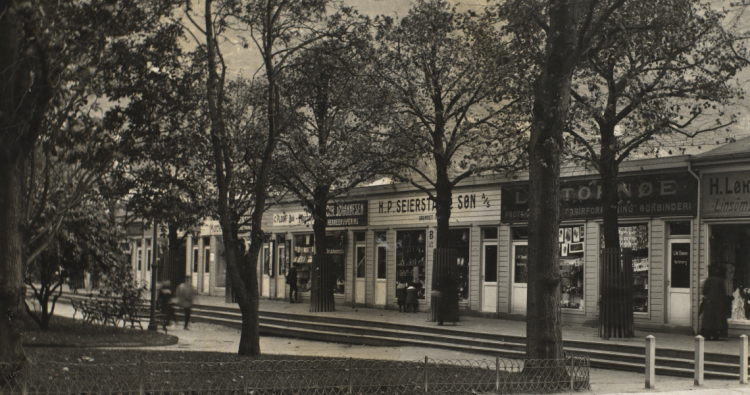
[246, 61]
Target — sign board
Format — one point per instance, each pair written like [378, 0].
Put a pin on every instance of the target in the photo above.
[640, 196]
[342, 214]
[725, 195]
[469, 205]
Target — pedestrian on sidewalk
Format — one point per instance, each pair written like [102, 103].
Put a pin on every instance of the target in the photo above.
[185, 294]
[164, 301]
[713, 319]
[401, 295]
[291, 279]
[411, 299]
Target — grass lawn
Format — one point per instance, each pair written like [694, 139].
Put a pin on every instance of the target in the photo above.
[67, 332]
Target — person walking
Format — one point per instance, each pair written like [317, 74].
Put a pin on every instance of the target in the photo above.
[291, 279]
[713, 318]
[164, 301]
[185, 294]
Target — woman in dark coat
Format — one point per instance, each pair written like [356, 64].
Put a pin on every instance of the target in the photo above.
[713, 321]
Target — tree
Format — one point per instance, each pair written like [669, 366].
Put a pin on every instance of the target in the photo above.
[559, 34]
[88, 242]
[339, 141]
[667, 74]
[459, 104]
[47, 51]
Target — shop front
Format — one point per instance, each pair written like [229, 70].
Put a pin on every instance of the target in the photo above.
[725, 232]
[656, 211]
[290, 228]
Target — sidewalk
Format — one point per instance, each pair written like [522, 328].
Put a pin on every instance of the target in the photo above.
[209, 337]
[487, 325]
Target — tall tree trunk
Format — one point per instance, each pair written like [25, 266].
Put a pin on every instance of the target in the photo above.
[12, 288]
[321, 295]
[616, 304]
[550, 112]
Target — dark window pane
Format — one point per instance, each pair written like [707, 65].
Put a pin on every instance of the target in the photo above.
[679, 228]
[359, 236]
[521, 260]
[360, 259]
[489, 233]
[490, 263]
[381, 262]
[520, 234]
[680, 269]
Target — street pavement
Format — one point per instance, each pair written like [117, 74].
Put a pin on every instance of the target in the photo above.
[210, 337]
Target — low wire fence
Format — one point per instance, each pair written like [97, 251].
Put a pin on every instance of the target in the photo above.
[298, 377]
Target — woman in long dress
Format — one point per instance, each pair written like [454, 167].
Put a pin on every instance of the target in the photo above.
[713, 322]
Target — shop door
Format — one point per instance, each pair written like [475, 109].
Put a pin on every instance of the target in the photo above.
[280, 278]
[265, 282]
[359, 273]
[678, 282]
[206, 269]
[194, 279]
[489, 278]
[380, 277]
[520, 276]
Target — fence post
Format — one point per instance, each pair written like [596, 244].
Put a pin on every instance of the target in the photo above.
[743, 359]
[425, 374]
[247, 376]
[572, 372]
[698, 360]
[25, 373]
[497, 374]
[650, 361]
[142, 377]
[350, 375]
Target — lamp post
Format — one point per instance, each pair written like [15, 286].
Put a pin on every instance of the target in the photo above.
[152, 325]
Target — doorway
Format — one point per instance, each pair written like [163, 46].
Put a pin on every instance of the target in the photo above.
[265, 283]
[380, 271]
[520, 277]
[678, 282]
[489, 277]
[281, 259]
[359, 268]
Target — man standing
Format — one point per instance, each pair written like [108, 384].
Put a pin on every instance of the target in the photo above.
[291, 279]
[185, 295]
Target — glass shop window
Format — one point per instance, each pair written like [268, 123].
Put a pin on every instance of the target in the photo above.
[410, 259]
[459, 241]
[571, 239]
[635, 237]
[304, 248]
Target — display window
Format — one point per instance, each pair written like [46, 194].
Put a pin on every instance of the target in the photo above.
[635, 237]
[571, 258]
[410, 259]
[304, 249]
[459, 241]
[730, 254]
[335, 249]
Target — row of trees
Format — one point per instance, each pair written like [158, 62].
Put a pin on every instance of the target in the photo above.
[338, 99]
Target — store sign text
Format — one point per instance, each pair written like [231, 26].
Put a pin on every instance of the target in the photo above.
[726, 195]
[460, 202]
[662, 194]
[341, 214]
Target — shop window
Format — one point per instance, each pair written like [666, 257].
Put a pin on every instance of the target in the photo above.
[635, 237]
[459, 241]
[490, 263]
[489, 233]
[382, 247]
[304, 248]
[679, 228]
[410, 259]
[730, 260]
[335, 250]
[520, 233]
[195, 260]
[571, 258]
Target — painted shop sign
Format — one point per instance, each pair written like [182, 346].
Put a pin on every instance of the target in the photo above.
[725, 195]
[338, 214]
[416, 207]
[644, 195]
